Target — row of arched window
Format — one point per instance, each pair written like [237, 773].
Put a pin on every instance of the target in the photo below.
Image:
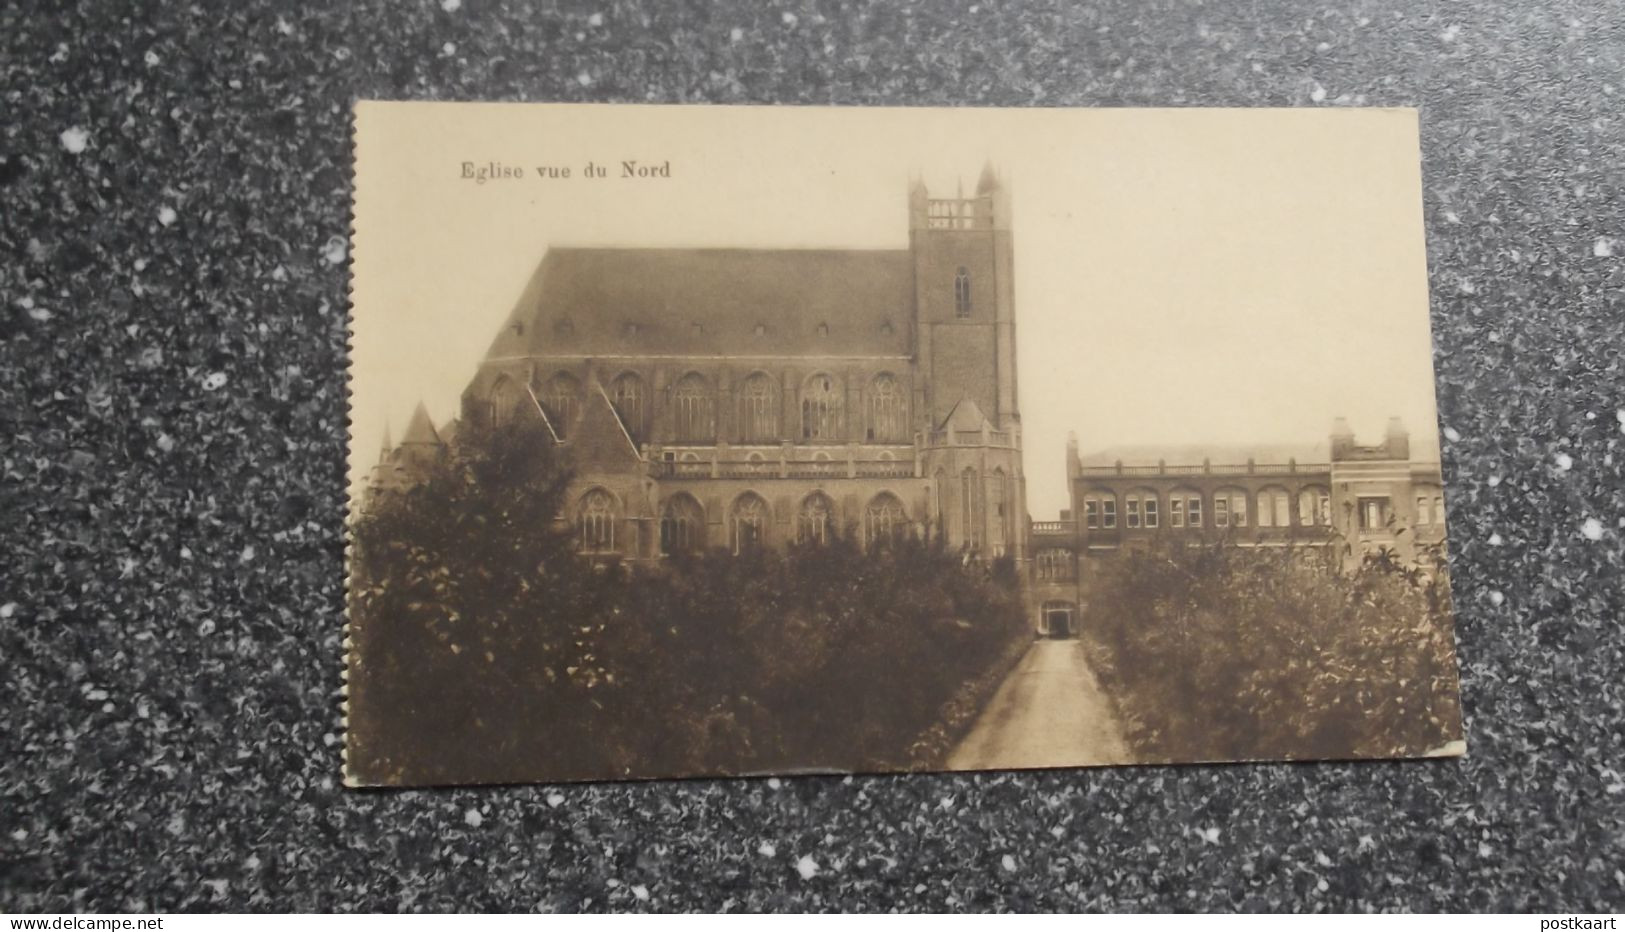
[822, 415]
[1234, 507]
[683, 525]
[1188, 508]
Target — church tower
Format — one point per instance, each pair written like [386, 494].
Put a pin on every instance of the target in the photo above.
[965, 327]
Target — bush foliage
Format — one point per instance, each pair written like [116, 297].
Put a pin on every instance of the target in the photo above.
[1217, 652]
[490, 651]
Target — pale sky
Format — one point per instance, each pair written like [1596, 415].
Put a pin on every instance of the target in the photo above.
[1182, 276]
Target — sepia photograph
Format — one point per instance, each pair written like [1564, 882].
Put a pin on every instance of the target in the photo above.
[725, 441]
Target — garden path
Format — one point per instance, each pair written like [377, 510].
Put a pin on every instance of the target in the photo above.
[1049, 712]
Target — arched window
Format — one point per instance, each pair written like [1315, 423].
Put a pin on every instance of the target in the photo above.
[1230, 508]
[884, 519]
[627, 395]
[562, 400]
[597, 522]
[888, 421]
[939, 513]
[962, 293]
[1141, 507]
[970, 506]
[821, 409]
[1314, 507]
[1185, 508]
[1272, 508]
[997, 514]
[505, 398]
[691, 410]
[816, 519]
[1100, 511]
[682, 526]
[747, 524]
[758, 410]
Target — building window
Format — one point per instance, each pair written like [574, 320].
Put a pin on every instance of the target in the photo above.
[1230, 508]
[1374, 513]
[1272, 508]
[999, 513]
[884, 519]
[814, 521]
[1438, 510]
[626, 394]
[938, 491]
[823, 330]
[1091, 513]
[747, 529]
[1108, 512]
[970, 506]
[504, 401]
[1176, 511]
[962, 294]
[691, 409]
[1142, 509]
[1314, 507]
[1054, 564]
[562, 399]
[597, 522]
[758, 410]
[887, 421]
[681, 526]
[1193, 510]
[820, 409]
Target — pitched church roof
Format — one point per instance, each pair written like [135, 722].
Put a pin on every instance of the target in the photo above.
[708, 302]
[420, 429]
[965, 415]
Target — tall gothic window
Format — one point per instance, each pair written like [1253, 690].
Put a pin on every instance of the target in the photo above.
[505, 397]
[997, 513]
[747, 525]
[962, 293]
[970, 499]
[627, 395]
[815, 521]
[888, 422]
[939, 514]
[821, 409]
[884, 519]
[758, 410]
[597, 522]
[562, 399]
[682, 526]
[691, 410]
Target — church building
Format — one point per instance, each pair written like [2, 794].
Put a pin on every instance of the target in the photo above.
[742, 398]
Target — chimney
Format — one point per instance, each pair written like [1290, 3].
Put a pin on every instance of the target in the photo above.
[1342, 439]
[1397, 440]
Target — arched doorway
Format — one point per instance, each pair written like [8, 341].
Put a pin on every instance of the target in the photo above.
[1059, 620]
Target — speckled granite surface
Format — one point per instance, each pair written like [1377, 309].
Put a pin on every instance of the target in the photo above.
[173, 181]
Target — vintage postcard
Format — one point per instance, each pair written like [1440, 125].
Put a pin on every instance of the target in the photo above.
[692, 441]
